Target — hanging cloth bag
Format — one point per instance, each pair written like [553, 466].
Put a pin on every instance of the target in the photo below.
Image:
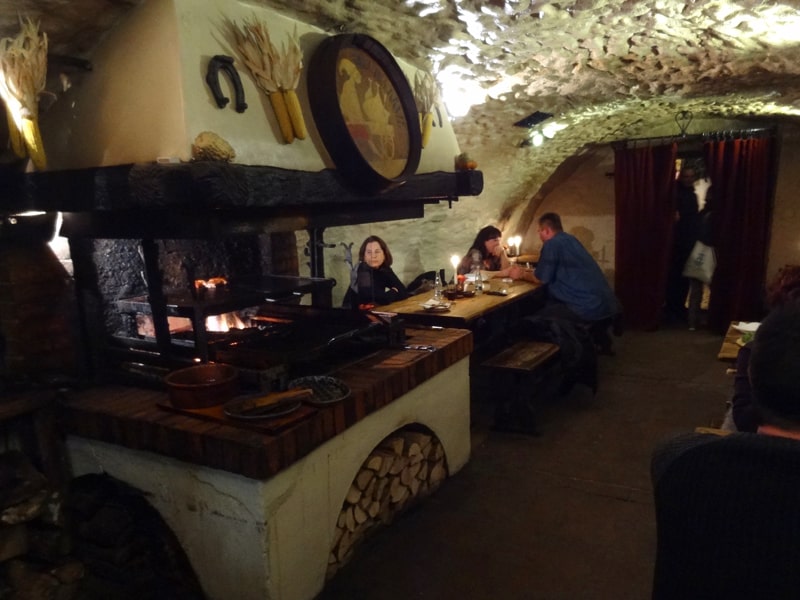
[701, 263]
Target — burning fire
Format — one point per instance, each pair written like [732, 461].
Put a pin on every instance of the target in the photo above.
[224, 322]
[219, 323]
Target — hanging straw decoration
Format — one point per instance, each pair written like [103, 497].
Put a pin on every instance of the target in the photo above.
[276, 73]
[426, 95]
[23, 73]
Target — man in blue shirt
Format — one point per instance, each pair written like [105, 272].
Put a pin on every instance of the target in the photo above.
[577, 289]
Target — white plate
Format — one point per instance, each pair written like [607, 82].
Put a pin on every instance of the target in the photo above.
[434, 306]
[743, 327]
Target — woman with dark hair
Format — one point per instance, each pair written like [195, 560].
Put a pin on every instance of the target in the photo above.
[375, 282]
[782, 291]
[487, 250]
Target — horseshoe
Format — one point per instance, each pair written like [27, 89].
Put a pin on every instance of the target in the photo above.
[225, 63]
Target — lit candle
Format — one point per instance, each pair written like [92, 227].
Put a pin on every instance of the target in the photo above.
[454, 260]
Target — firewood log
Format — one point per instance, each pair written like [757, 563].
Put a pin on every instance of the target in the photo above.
[353, 494]
[363, 478]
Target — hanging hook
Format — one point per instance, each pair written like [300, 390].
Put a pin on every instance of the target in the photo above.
[683, 118]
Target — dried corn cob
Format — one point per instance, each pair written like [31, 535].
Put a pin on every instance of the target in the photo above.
[295, 114]
[292, 63]
[276, 73]
[282, 113]
[23, 73]
[15, 136]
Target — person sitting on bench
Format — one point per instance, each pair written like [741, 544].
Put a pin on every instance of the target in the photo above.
[576, 287]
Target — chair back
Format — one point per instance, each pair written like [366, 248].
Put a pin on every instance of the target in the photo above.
[728, 520]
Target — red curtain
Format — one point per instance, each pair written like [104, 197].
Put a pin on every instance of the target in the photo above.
[644, 180]
[742, 176]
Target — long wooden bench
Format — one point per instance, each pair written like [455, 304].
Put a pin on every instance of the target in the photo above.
[530, 372]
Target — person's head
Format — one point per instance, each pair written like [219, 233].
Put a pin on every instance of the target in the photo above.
[774, 375]
[549, 226]
[487, 240]
[375, 253]
[785, 287]
[687, 177]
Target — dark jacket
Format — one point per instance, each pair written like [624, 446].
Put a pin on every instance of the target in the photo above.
[576, 349]
[743, 411]
[375, 286]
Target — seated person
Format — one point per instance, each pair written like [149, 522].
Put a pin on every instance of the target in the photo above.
[577, 290]
[487, 251]
[726, 506]
[784, 289]
[375, 282]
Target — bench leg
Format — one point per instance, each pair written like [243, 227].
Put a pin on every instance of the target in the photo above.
[517, 413]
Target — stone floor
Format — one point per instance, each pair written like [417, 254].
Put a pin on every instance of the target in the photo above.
[565, 515]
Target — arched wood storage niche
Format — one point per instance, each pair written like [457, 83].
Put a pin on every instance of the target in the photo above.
[255, 537]
[406, 467]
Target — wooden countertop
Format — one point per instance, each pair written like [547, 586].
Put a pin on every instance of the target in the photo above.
[463, 311]
[132, 417]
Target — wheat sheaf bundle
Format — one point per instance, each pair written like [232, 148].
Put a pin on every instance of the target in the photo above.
[426, 94]
[276, 72]
[23, 74]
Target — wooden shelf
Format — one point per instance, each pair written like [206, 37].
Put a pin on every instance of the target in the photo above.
[209, 199]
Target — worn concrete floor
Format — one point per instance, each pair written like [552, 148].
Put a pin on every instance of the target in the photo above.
[566, 515]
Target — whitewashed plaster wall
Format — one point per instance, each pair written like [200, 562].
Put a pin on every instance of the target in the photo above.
[785, 240]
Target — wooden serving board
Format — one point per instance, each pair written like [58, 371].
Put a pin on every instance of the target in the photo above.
[273, 425]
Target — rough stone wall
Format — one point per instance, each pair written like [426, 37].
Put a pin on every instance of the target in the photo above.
[606, 69]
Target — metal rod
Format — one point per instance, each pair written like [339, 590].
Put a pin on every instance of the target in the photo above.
[155, 295]
[316, 245]
[696, 137]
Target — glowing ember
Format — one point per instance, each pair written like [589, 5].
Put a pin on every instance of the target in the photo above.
[224, 322]
[210, 284]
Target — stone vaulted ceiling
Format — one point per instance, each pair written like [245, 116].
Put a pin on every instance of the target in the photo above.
[608, 70]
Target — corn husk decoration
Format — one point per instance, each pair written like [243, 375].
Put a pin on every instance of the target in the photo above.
[426, 95]
[23, 74]
[276, 73]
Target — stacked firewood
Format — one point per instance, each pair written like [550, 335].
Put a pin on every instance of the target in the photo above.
[406, 467]
[34, 546]
[99, 538]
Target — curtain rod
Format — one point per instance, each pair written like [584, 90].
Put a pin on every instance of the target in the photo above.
[730, 134]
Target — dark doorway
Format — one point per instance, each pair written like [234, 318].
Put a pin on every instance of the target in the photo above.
[742, 171]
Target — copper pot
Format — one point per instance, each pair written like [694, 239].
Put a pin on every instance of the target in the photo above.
[202, 386]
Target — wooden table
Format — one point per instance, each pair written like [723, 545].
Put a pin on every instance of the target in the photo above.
[492, 319]
[466, 312]
[730, 347]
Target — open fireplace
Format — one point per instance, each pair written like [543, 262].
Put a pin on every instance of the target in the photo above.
[153, 269]
[166, 244]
